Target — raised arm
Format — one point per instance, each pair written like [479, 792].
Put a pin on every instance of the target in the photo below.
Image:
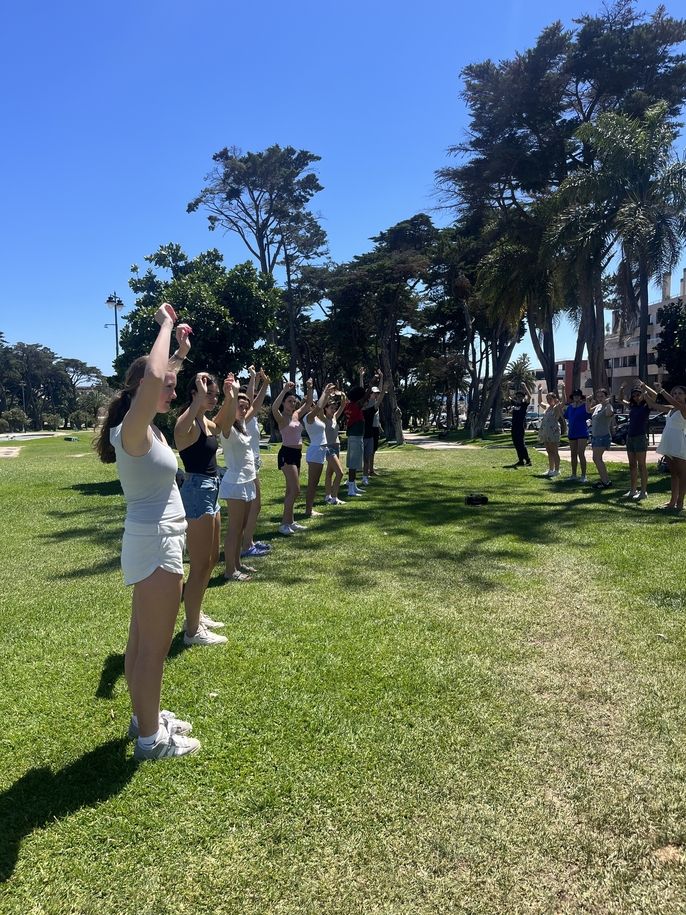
[307, 405]
[340, 410]
[185, 430]
[620, 396]
[317, 409]
[256, 404]
[228, 411]
[136, 424]
[681, 407]
[251, 383]
[276, 406]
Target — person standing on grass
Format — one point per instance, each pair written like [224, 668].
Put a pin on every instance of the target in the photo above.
[601, 419]
[334, 470]
[576, 414]
[290, 453]
[154, 534]
[372, 426]
[549, 432]
[355, 435]
[238, 483]
[195, 437]
[522, 399]
[315, 426]
[637, 442]
[673, 439]
[254, 548]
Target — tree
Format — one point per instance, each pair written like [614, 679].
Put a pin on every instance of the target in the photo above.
[232, 312]
[671, 347]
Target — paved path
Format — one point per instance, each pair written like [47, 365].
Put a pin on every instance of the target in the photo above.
[431, 443]
[9, 452]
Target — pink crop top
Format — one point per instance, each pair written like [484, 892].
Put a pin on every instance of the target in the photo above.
[291, 435]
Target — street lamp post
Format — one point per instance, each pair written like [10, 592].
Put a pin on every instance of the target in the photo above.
[115, 303]
[22, 385]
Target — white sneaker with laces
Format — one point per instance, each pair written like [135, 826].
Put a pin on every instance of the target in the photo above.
[209, 622]
[167, 719]
[295, 527]
[167, 746]
[285, 530]
[204, 636]
[640, 496]
[554, 473]
[338, 502]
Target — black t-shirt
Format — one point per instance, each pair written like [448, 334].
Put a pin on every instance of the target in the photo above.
[519, 416]
[369, 414]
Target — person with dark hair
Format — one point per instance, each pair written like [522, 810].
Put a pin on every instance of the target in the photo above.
[195, 437]
[154, 533]
[601, 418]
[290, 453]
[637, 442]
[372, 426]
[672, 444]
[238, 483]
[251, 547]
[315, 426]
[520, 406]
[334, 470]
[354, 458]
[576, 414]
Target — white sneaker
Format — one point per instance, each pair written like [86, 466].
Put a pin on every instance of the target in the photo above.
[338, 502]
[167, 719]
[548, 473]
[583, 479]
[554, 473]
[359, 492]
[365, 481]
[209, 622]
[285, 530]
[204, 636]
[330, 500]
[167, 746]
[631, 494]
[295, 527]
[640, 496]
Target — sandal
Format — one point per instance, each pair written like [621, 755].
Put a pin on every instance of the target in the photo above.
[238, 576]
[245, 568]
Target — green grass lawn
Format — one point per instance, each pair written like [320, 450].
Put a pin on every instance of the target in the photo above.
[424, 707]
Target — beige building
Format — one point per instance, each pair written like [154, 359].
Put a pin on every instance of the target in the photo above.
[621, 348]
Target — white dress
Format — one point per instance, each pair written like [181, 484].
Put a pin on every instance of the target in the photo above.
[673, 439]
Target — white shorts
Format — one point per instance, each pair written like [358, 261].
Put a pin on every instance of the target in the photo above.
[242, 492]
[316, 454]
[146, 547]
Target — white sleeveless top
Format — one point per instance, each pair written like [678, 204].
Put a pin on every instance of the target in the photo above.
[254, 432]
[316, 431]
[238, 456]
[673, 440]
[149, 482]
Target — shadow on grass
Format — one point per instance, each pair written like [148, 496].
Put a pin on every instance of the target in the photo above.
[113, 667]
[104, 488]
[42, 796]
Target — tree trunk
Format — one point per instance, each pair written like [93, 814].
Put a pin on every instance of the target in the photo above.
[590, 283]
[499, 367]
[578, 354]
[643, 318]
[545, 348]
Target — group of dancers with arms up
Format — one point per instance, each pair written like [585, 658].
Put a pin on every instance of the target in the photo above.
[162, 519]
[577, 410]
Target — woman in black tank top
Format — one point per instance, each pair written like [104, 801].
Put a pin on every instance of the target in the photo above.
[195, 437]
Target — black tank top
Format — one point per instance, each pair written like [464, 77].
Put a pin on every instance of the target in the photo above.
[201, 456]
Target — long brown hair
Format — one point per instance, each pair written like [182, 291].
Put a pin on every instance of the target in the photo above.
[118, 408]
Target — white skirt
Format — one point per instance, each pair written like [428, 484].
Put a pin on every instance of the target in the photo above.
[147, 547]
[242, 492]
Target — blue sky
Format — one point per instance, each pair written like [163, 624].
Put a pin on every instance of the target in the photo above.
[112, 112]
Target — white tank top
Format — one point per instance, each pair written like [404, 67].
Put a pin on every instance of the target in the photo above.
[149, 482]
[238, 456]
[316, 431]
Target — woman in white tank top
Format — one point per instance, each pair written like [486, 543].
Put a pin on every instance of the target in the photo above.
[152, 549]
[315, 426]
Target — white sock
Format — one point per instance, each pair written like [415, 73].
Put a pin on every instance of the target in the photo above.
[147, 742]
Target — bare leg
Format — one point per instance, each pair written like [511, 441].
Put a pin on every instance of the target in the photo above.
[292, 475]
[253, 515]
[582, 455]
[155, 607]
[681, 481]
[334, 475]
[633, 469]
[573, 448]
[600, 464]
[200, 541]
[314, 472]
[238, 512]
[641, 460]
[551, 459]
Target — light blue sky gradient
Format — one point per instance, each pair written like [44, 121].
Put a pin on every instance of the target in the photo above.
[111, 114]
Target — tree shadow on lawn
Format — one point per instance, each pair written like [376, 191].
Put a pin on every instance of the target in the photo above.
[104, 488]
[42, 796]
[113, 667]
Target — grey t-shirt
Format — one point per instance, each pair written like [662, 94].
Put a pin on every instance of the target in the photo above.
[601, 419]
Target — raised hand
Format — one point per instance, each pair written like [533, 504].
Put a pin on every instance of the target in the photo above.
[201, 382]
[251, 370]
[183, 332]
[164, 314]
[231, 385]
[265, 378]
[289, 385]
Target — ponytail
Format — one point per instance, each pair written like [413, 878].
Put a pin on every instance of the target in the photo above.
[118, 408]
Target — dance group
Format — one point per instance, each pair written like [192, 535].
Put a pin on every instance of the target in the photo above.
[162, 519]
[576, 411]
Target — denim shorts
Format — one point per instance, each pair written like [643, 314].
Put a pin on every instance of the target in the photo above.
[601, 441]
[200, 495]
[333, 451]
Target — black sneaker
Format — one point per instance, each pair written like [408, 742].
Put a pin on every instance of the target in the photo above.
[606, 485]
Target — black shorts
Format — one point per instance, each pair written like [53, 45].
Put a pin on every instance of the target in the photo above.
[288, 455]
[376, 434]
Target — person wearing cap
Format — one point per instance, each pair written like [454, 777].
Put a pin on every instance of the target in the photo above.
[522, 399]
[637, 442]
[372, 426]
[576, 414]
[355, 435]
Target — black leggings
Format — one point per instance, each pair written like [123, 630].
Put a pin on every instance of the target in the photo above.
[518, 442]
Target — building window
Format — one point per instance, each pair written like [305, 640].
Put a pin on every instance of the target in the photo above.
[652, 359]
[608, 363]
[632, 360]
[616, 362]
[625, 361]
